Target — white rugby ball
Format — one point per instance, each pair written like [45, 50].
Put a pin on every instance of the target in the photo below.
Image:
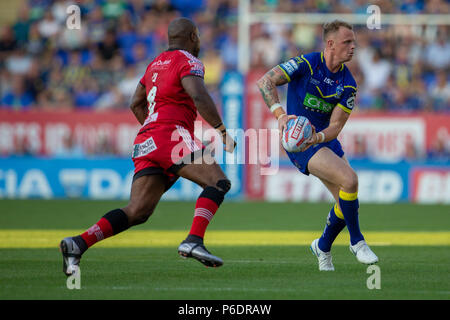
[296, 133]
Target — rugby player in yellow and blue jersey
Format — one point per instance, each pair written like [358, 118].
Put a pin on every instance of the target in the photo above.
[322, 89]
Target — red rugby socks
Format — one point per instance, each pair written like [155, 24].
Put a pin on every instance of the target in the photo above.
[99, 231]
[207, 204]
[110, 224]
[204, 211]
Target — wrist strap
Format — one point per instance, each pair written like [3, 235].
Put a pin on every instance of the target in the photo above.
[275, 106]
[321, 137]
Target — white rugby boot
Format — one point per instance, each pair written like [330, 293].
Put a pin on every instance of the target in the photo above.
[363, 253]
[71, 256]
[325, 260]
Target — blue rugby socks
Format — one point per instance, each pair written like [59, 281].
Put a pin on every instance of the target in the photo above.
[335, 224]
[348, 202]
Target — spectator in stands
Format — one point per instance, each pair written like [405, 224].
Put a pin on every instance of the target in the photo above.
[436, 6]
[108, 47]
[55, 99]
[96, 25]
[111, 99]
[139, 56]
[75, 72]
[113, 9]
[375, 68]
[49, 26]
[8, 43]
[99, 71]
[116, 68]
[438, 53]
[72, 39]
[22, 26]
[18, 62]
[137, 8]
[59, 10]
[36, 45]
[34, 80]
[411, 6]
[17, 98]
[440, 92]
[127, 85]
[440, 149]
[86, 94]
[260, 55]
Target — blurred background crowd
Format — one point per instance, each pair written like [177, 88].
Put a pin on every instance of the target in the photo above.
[44, 65]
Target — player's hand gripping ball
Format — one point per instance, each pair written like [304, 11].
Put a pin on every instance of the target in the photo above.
[296, 133]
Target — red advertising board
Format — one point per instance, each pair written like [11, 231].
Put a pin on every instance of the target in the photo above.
[44, 133]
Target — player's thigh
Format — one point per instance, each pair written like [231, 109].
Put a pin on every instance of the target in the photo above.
[325, 164]
[333, 187]
[204, 174]
[146, 191]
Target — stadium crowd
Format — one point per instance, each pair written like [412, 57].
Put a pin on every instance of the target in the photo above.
[45, 65]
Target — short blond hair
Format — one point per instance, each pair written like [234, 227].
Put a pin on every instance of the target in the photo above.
[333, 26]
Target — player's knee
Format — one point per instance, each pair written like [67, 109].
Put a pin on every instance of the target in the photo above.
[350, 182]
[217, 193]
[224, 185]
[138, 214]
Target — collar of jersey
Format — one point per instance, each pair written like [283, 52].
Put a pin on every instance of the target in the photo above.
[328, 73]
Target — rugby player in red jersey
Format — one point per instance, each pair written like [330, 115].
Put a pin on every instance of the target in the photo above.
[166, 102]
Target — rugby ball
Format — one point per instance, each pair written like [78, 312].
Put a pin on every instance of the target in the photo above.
[296, 133]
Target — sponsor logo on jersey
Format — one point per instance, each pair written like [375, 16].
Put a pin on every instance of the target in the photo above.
[161, 63]
[328, 81]
[339, 90]
[144, 148]
[291, 66]
[196, 67]
[351, 102]
[314, 81]
[317, 104]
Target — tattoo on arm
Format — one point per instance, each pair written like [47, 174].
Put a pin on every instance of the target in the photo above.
[268, 83]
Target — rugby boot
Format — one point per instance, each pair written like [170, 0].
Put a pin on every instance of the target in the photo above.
[363, 253]
[71, 255]
[325, 260]
[199, 252]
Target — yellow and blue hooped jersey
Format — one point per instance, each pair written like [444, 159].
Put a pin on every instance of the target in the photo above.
[314, 91]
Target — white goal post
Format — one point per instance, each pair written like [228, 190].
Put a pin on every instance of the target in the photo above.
[247, 18]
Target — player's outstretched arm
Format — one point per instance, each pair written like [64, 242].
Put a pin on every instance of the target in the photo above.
[139, 103]
[196, 89]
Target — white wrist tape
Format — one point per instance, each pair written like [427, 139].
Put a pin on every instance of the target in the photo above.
[322, 137]
[275, 106]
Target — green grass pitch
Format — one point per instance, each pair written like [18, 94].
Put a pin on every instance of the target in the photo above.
[258, 270]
